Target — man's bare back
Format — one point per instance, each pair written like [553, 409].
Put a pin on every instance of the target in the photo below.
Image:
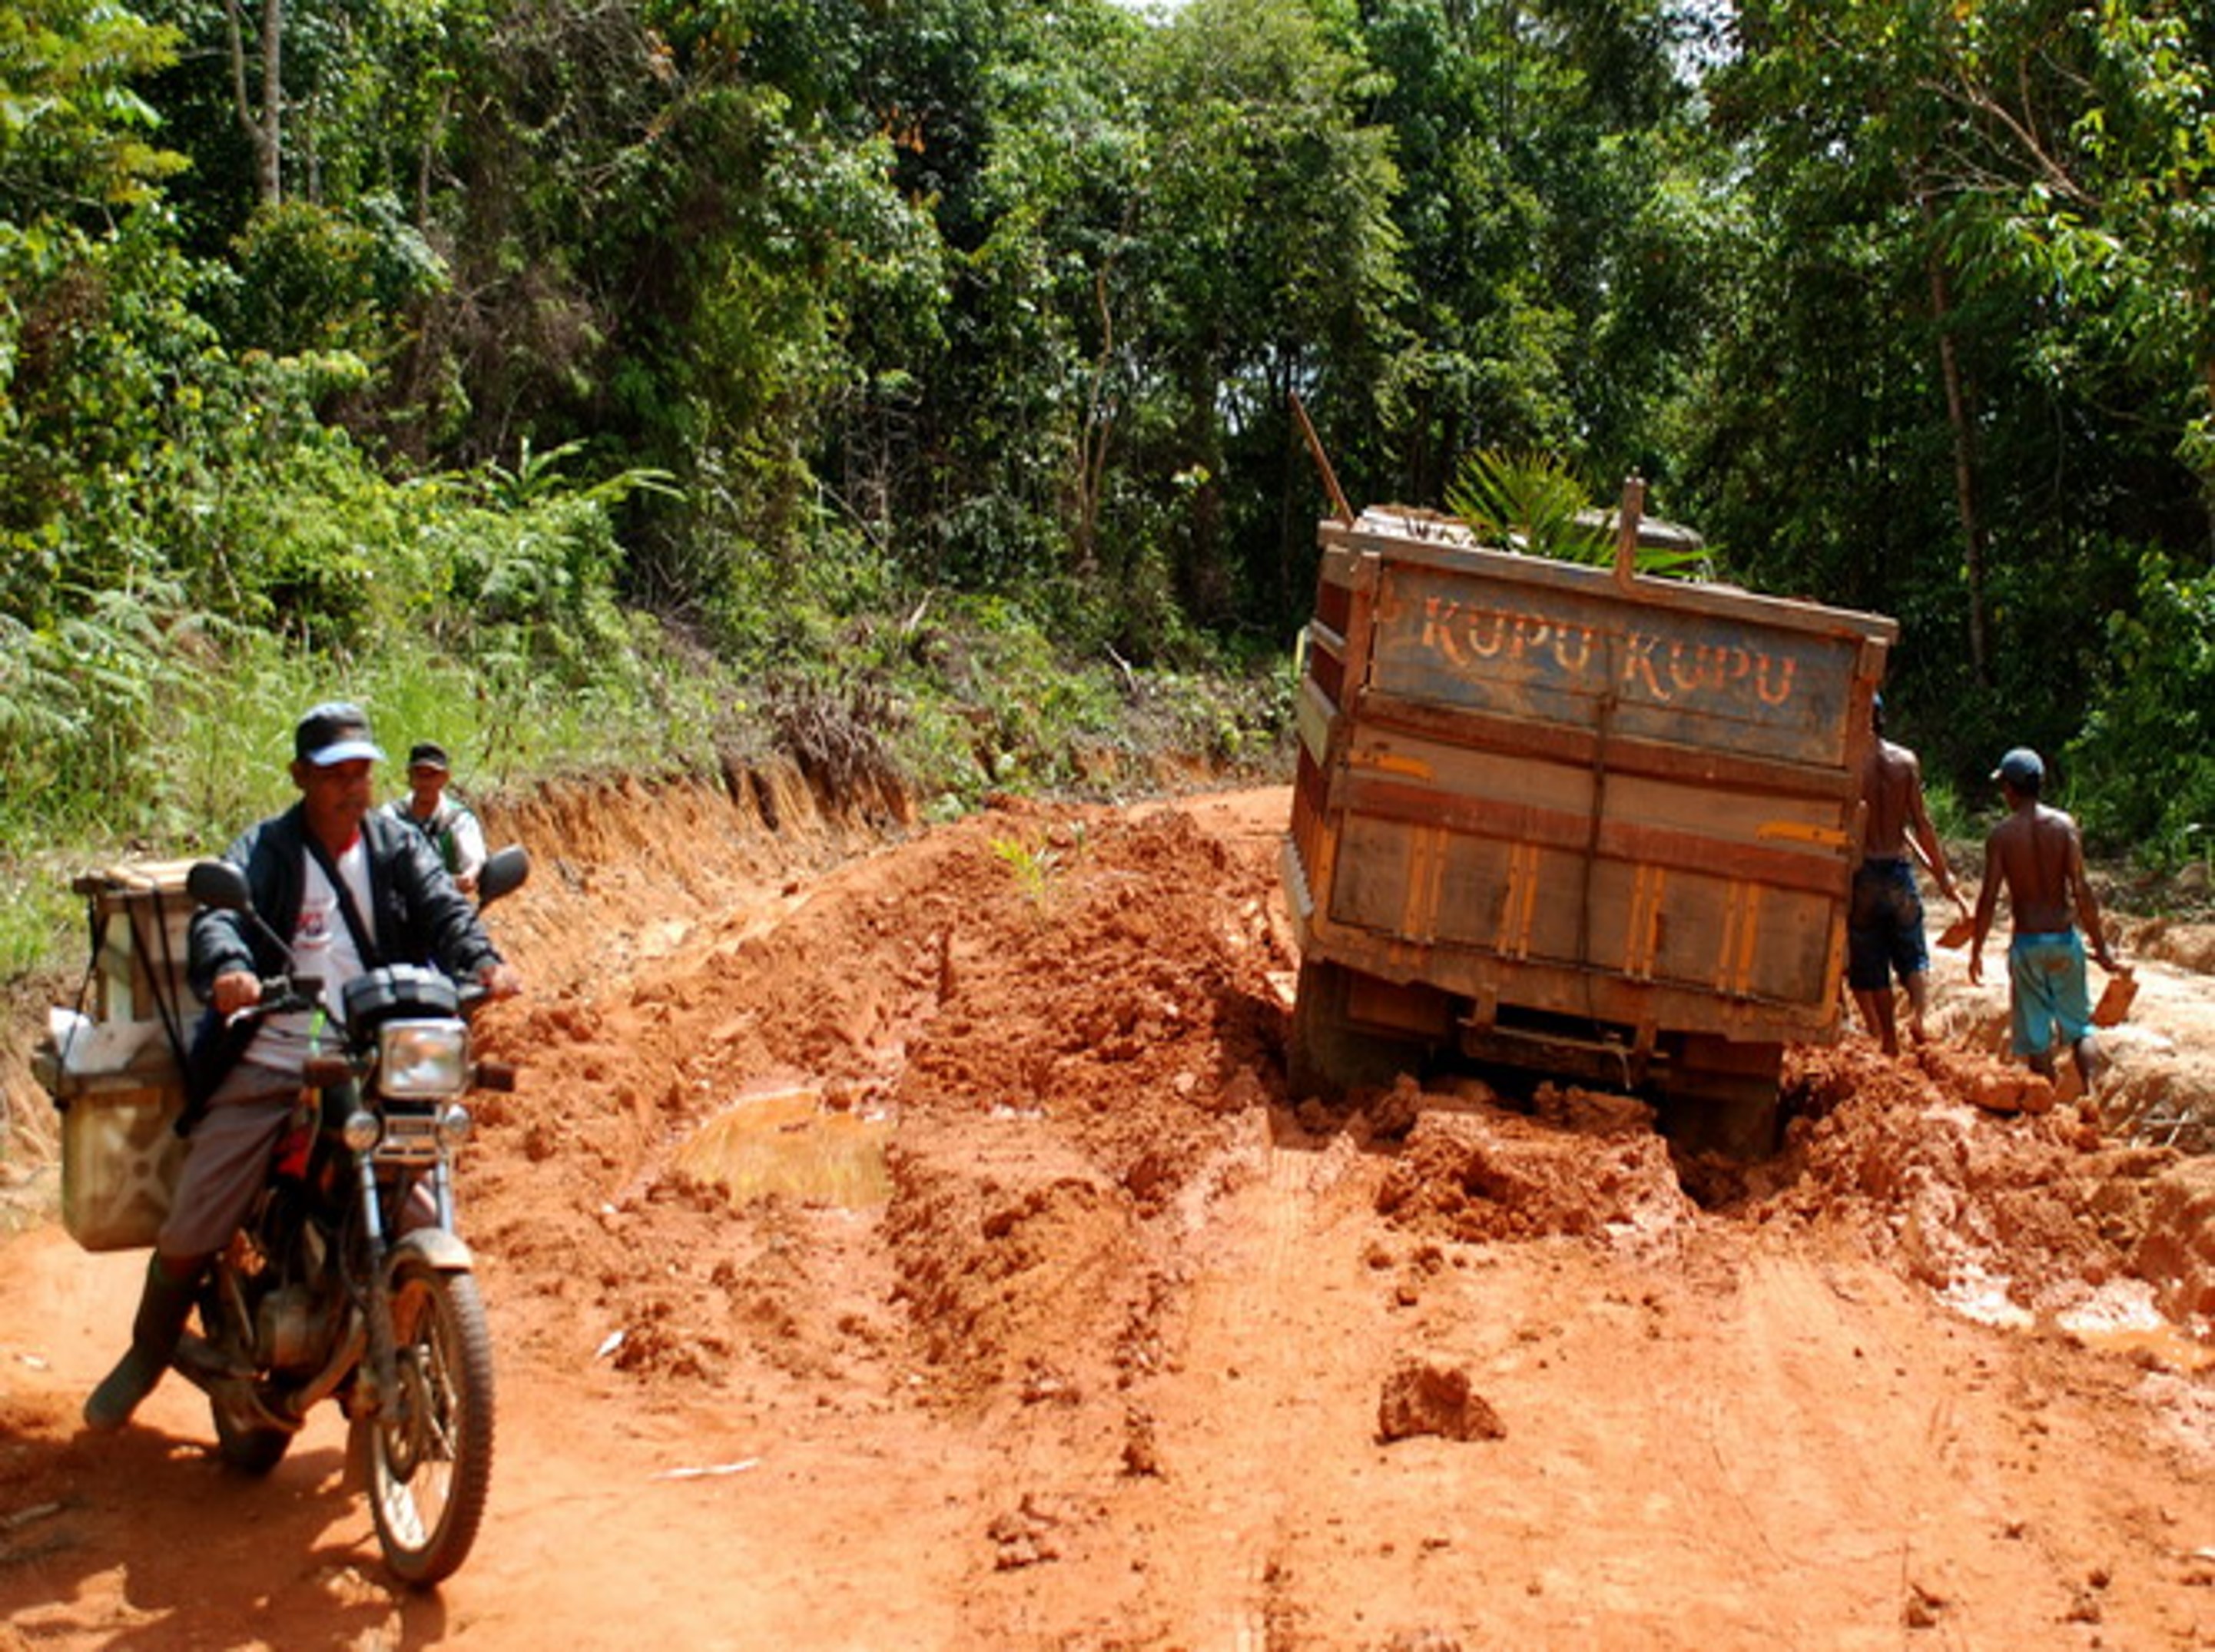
[2039, 858]
[1891, 786]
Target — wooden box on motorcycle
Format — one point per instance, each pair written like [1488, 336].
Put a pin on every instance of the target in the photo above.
[110, 1064]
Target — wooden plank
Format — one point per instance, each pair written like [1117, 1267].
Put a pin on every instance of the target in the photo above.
[1594, 660]
[1557, 988]
[1625, 840]
[1437, 544]
[1378, 712]
[1313, 715]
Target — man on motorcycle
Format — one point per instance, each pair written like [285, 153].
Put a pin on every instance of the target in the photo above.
[340, 887]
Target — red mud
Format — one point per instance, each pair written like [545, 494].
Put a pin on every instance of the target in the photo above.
[1064, 1329]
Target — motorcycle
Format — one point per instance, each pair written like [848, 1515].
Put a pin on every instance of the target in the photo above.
[348, 1279]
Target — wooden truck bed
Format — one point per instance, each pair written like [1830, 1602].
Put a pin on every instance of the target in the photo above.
[1567, 818]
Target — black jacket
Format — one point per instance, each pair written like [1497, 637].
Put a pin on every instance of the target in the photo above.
[417, 916]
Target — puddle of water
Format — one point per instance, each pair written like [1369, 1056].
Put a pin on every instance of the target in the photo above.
[2117, 1318]
[2122, 1319]
[785, 1141]
[2167, 1346]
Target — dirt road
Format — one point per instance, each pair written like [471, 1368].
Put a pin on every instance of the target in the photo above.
[912, 1247]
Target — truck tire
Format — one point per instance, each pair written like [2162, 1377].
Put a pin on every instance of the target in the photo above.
[1731, 1108]
[1329, 1052]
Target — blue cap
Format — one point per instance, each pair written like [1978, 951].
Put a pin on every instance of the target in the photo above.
[2021, 768]
[334, 731]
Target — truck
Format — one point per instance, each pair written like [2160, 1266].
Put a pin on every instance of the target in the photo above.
[1570, 820]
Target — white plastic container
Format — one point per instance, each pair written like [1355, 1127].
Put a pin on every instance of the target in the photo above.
[114, 1075]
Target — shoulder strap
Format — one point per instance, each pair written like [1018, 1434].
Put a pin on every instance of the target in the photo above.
[365, 939]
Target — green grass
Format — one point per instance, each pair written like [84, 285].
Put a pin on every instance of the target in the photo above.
[979, 700]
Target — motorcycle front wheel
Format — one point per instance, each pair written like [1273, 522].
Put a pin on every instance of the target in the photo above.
[430, 1443]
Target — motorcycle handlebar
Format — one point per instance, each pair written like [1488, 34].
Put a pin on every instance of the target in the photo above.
[281, 995]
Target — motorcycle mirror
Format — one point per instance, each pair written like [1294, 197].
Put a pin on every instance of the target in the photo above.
[218, 883]
[503, 873]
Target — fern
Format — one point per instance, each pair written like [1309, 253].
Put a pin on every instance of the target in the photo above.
[1534, 503]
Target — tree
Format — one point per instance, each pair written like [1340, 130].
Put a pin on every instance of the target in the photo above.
[1271, 263]
[1929, 352]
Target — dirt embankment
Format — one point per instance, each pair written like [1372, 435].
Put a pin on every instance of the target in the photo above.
[910, 1242]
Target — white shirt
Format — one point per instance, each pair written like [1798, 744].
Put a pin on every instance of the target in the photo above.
[324, 946]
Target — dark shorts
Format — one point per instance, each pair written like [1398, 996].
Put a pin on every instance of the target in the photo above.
[1884, 927]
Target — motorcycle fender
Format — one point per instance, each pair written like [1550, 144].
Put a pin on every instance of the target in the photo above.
[445, 1251]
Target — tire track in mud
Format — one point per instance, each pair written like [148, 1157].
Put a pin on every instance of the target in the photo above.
[1812, 1498]
[1275, 1459]
[1250, 1366]
[1931, 1521]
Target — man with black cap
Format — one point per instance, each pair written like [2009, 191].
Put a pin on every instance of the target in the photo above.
[443, 819]
[344, 888]
[2037, 854]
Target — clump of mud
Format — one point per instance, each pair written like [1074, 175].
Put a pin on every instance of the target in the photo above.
[1013, 1256]
[1423, 1396]
[1084, 1000]
[2177, 1240]
[1972, 1178]
[1587, 1165]
[1114, 978]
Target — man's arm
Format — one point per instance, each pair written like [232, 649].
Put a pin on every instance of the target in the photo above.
[469, 848]
[218, 942]
[2087, 904]
[1988, 894]
[1922, 833]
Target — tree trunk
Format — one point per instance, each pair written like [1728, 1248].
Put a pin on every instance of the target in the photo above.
[264, 130]
[1958, 400]
[1094, 432]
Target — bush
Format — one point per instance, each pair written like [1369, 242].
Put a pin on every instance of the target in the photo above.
[2144, 765]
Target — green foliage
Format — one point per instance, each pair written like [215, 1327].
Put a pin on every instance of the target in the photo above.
[311, 280]
[1968, 350]
[1534, 503]
[2142, 770]
[1036, 868]
[74, 131]
[43, 909]
[1531, 501]
[933, 362]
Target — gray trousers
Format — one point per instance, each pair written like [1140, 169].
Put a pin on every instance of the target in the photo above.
[227, 1160]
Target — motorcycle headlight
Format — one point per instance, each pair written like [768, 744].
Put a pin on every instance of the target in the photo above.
[422, 1059]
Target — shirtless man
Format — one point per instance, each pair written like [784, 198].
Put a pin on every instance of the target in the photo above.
[1884, 927]
[2036, 852]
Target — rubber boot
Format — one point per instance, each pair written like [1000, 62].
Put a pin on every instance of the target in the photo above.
[164, 1307]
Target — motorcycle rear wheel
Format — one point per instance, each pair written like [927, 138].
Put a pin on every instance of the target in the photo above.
[430, 1444]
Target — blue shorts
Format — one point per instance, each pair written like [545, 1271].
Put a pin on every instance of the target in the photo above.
[1884, 927]
[2045, 973]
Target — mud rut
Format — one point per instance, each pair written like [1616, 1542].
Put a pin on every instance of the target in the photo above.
[1021, 1310]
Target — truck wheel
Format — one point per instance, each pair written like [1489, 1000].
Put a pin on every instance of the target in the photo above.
[1731, 1107]
[1329, 1052]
